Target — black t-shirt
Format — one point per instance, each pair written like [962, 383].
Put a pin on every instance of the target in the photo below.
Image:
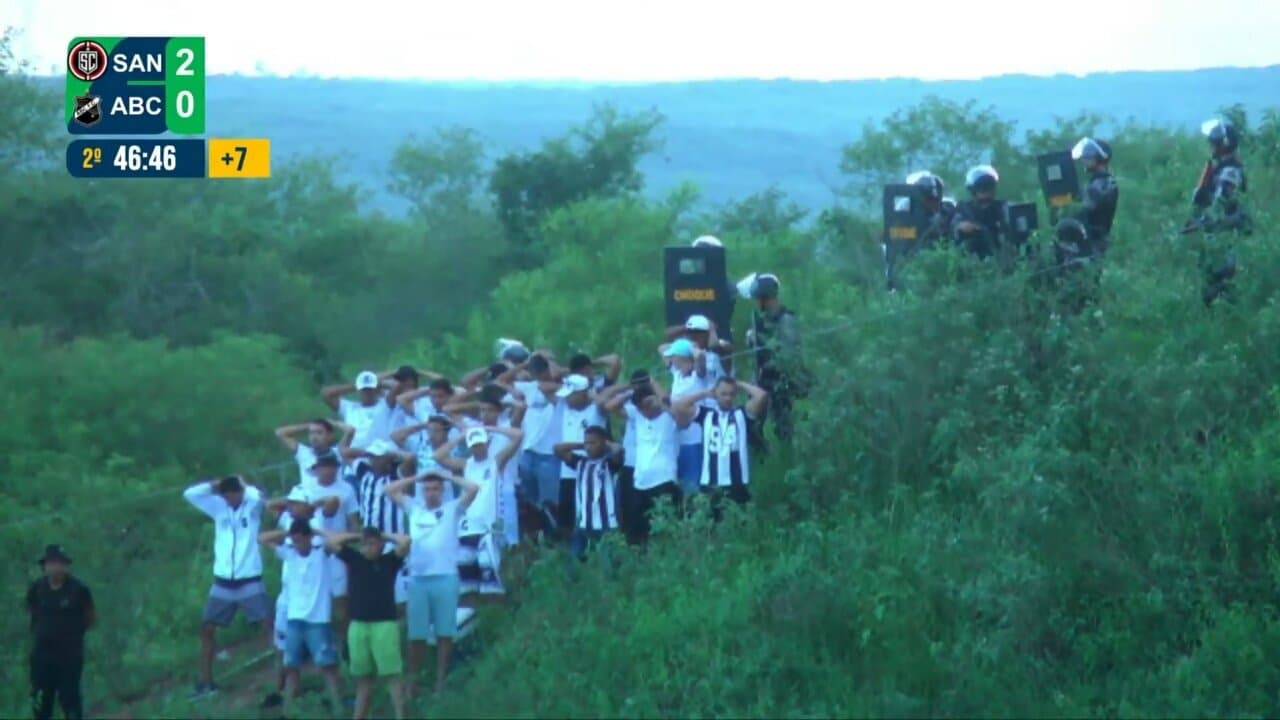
[371, 584]
[59, 618]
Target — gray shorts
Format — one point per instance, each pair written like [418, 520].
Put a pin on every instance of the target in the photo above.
[220, 609]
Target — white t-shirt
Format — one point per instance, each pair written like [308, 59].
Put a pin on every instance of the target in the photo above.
[483, 511]
[540, 432]
[656, 448]
[372, 422]
[284, 523]
[683, 385]
[305, 456]
[434, 536]
[310, 598]
[573, 426]
[347, 504]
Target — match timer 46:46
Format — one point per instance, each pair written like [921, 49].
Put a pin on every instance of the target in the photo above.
[135, 85]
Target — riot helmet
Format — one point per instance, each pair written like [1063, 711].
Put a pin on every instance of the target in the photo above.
[708, 241]
[1091, 151]
[981, 178]
[1071, 240]
[766, 286]
[1222, 135]
[932, 184]
[948, 203]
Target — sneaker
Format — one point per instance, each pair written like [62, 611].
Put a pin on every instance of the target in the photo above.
[203, 691]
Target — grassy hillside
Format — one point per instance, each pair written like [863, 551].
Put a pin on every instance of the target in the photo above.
[994, 507]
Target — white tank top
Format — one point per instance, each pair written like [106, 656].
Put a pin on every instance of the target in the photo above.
[483, 511]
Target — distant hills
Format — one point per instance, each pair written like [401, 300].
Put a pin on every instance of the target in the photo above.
[731, 137]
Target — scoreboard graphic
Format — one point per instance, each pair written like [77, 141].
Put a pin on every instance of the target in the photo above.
[148, 87]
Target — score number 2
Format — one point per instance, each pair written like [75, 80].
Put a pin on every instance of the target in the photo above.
[92, 156]
[185, 102]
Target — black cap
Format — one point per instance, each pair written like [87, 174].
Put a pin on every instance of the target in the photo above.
[230, 484]
[328, 459]
[581, 361]
[300, 527]
[54, 552]
[406, 372]
[371, 533]
[639, 376]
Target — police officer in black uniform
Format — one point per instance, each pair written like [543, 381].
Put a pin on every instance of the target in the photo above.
[1101, 195]
[1219, 208]
[775, 339]
[980, 224]
[939, 227]
[61, 612]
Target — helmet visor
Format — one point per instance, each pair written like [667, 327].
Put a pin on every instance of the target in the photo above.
[1088, 149]
[981, 173]
[1212, 126]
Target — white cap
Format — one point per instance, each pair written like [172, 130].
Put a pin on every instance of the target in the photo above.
[298, 494]
[698, 322]
[708, 241]
[477, 436]
[573, 384]
[380, 447]
[366, 380]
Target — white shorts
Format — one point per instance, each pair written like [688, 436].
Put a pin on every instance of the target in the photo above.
[282, 621]
[337, 577]
[510, 514]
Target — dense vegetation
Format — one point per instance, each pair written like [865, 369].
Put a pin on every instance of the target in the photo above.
[993, 508]
[732, 138]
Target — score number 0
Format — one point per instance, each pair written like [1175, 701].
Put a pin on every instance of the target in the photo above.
[185, 101]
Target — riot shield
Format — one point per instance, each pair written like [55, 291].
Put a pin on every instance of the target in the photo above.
[1023, 220]
[696, 284]
[1058, 179]
[905, 216]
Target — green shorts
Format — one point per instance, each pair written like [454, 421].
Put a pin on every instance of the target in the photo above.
[375, 648]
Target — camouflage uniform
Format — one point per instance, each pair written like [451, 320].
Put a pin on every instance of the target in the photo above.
[1220, 215]
[775, 338]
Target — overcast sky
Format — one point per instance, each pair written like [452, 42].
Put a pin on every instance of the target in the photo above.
[638, 40]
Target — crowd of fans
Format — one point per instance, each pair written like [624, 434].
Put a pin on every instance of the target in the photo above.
[407, 499]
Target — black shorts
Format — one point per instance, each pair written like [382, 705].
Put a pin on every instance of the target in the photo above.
[566, 509]
[643, 503]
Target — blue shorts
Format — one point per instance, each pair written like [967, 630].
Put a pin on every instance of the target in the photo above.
[689, 467]
[540, 477]
[302, 638]
[433, 604]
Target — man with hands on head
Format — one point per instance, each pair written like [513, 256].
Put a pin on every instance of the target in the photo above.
[374, 633]
[321, 440]
[370, 415]
[726, 427]
[478, 556]
[235, 507]
[309, 632]
[434, 587]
